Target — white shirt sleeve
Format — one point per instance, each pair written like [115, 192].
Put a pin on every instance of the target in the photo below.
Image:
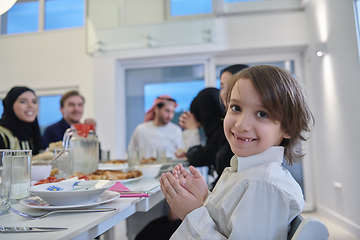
[134, 141]
[243, 217]
[191, 138]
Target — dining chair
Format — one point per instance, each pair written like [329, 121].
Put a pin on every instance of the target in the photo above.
[307, 229]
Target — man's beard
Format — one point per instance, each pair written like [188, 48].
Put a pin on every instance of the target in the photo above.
[163, 121]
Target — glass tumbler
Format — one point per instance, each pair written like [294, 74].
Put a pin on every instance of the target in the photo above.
[20, 174]
[5, 181]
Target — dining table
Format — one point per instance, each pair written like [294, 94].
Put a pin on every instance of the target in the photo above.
[85, 225]
[89, 225]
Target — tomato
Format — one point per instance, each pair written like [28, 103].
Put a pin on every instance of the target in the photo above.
[61, 179]
[52, 179]
[42, 181]
[84, 177]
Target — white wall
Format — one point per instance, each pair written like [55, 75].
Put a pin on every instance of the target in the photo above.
[333, 83]
[53, 60]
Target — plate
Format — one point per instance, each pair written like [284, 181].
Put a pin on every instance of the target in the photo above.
[109, 166]
[129, 180]
[38, 203]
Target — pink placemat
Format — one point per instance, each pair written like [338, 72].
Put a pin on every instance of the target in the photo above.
[119, 187]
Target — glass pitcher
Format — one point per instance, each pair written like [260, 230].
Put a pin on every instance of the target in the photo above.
[84, 147]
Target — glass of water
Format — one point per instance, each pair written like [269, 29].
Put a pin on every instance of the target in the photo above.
[5, 181]
[20, 174]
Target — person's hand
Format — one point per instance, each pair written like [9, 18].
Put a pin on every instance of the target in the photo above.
[172, 216]
[187, 120]
[90, 121]
[194, 178]
[183, 198]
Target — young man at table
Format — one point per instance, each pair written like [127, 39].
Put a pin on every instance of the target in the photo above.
[72, 108]
[158, 130]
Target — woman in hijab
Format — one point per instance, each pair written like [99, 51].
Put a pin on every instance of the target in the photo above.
[19, 128]
[206, 112]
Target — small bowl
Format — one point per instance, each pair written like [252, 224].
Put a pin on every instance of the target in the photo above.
[39, 172]
[71, 193]
[149, 170]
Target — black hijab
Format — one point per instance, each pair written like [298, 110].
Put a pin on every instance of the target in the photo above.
[24, 131]
[208, 111]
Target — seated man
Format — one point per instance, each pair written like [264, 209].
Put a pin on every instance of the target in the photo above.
[72, 108]
[158, 130]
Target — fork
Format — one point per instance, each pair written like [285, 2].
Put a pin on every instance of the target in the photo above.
[36, 217]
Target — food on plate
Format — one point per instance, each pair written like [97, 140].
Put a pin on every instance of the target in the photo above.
[54, 172]
[147, 160]
[49, 153]
[50, 179]
[43, 156]
[55, 145]
[111, 174]
[180, 153]
[115, 162]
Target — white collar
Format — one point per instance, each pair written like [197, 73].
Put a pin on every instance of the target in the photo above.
[273, 154]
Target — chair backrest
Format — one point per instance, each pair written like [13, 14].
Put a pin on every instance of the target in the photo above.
[307, 229]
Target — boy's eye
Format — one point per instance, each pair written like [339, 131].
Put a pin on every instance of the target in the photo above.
[262, 114]
[235, 108]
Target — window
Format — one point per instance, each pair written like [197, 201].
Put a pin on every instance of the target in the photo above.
[49, 111]
[21, 18]
[181, 7]
[1, 108]
[143, 85]
[357, 21]
[230, 1]
[24, 16]
[64, 14]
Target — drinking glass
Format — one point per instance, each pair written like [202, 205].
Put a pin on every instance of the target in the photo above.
[161, 155]
[5, 181]
[20, 174]
[133, 157]
[64, 163]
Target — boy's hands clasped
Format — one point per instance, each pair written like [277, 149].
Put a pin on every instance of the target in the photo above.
[183, 191]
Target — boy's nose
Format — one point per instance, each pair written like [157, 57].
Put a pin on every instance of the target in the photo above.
[243, 122]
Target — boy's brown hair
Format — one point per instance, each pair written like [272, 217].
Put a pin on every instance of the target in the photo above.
[283, 96]
[69, 94]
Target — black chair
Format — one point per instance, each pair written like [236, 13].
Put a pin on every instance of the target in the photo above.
[307, 229]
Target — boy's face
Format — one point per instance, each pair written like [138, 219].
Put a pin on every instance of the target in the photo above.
[248, 127]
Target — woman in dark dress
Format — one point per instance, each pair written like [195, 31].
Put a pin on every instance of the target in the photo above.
[19, 128]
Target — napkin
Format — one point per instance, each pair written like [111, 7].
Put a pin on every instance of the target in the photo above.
[119, 187]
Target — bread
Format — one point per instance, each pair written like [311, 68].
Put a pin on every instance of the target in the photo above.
[44, 156]
[54, 172]
[55, 145]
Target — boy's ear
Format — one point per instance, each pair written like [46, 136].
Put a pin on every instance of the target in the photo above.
[287, 136]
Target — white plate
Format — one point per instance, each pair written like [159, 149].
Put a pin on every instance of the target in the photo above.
[36, 202]
[129, 180]
[109, 166]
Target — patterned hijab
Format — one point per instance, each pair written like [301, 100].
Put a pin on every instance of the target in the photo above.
[24, 131]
